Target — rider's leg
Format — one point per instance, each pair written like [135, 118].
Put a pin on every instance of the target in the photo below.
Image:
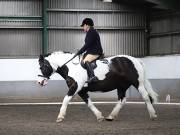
[92, 77]
[90, 57]
[87, 60]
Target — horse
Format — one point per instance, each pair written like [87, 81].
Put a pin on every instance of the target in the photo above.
[114, 73]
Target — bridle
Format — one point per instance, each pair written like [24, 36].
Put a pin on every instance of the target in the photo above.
[47, 77]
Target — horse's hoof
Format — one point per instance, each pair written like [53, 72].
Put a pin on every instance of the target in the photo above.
[100, 119]
[109, 118]
[153, 117]
[59, 120]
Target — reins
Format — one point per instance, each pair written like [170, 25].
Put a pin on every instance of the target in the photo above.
[77, 62]
[70, 60]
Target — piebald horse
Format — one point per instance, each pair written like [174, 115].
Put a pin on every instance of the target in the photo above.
[114, 73]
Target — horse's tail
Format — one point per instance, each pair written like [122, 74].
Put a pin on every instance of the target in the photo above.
[152, 94]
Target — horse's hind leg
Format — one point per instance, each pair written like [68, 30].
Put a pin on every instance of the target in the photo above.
[119, 105]
[147, 100]
[84, 95]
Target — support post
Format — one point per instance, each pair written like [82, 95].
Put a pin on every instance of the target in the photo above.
[44, 30]
[147, 31]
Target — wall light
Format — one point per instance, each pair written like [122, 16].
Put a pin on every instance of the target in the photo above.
[107, 0]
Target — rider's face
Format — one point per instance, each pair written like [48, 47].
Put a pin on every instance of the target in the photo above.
[85, 28]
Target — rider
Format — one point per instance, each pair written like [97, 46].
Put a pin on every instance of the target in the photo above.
[92, 47]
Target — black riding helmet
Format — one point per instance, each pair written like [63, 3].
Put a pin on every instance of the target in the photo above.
[87, 21]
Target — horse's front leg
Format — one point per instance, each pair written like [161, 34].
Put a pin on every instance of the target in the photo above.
[73, 89]
[84, 95]
[62, 112]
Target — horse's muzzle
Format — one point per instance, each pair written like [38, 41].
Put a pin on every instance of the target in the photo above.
[42, 82]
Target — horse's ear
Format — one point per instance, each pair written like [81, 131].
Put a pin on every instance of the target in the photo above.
[41, 58]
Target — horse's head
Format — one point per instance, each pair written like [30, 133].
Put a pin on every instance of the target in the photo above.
[46, 71]
[52, 63]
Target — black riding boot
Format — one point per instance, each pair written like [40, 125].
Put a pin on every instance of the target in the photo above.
[90, 72]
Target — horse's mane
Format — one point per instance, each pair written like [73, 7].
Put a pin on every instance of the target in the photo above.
[57, 53]
[59, 57]
[60, 52]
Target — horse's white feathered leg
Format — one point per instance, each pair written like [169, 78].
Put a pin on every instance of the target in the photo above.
[150, 91]
[148, 86]
[116, 109]
[95, 110]
[145, 96]
[62, 112]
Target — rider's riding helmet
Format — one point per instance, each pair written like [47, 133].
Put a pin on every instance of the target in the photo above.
[87, 21]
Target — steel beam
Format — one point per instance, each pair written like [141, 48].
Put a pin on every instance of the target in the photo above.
[33, 18]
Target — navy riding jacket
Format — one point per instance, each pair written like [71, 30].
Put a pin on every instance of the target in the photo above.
[92, 43]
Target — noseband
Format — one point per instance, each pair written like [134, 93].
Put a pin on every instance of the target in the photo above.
[44, 76]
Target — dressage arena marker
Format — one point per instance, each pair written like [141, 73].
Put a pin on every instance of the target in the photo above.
[82, 103]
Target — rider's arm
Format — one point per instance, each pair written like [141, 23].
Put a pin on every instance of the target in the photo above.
[90, 37]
